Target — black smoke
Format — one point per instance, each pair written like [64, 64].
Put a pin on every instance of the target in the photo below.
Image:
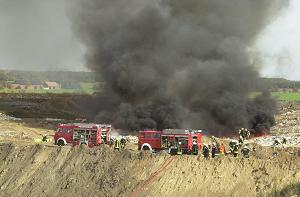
[175, 63]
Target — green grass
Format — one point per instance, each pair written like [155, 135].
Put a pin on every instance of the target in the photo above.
[89, 88]
[286, 96]
[42, 91]
[280, 96]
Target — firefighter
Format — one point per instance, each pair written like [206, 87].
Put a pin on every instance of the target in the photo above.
[214, 140]
[123, 142]
[235, 150]
[241, 140]
[222, 149]
[241, 131]
[213, 150]
[44, 138]
[103, 137]
[112, 141]
[232, 143]
[165, 143]
[234, 147]
[205, 151]
[247, 134]
[277, 142]
[245, 151]
[179, 149]
[195, 147]
[284, 141]
[117, 144]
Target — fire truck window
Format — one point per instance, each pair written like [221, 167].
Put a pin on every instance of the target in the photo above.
[148, 135]
[156, 135]
[185, 142]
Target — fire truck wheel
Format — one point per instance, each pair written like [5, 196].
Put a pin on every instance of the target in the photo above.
[146, 148]
[60, 143]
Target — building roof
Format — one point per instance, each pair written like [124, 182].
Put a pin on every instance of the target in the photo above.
[21, 82]
[51, 84]
[36, 83]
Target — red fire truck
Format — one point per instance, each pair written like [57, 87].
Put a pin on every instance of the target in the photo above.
[82, 133]
[176, 141]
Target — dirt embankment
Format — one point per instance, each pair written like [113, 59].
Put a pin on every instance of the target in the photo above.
[38, 170]
[65, 171]
[226, 177]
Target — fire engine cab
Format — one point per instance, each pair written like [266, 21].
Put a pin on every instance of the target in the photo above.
[176, 141]
[81, 133]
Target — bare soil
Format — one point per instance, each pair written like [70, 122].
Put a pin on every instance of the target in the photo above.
[30, 169]
[41, 170]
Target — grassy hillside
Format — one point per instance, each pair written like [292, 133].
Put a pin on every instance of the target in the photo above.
[67, 79]
[86, 83]
[71, 82]
[280, 83]
[286, 96]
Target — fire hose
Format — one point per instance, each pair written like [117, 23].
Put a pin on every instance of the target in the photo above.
[152, 177]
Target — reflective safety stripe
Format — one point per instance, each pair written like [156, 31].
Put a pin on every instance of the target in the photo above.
[117, 144]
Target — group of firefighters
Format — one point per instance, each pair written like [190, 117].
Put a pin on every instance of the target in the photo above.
[118, 144]
[216, 149]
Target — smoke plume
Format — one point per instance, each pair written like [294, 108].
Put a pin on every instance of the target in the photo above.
[176, 64]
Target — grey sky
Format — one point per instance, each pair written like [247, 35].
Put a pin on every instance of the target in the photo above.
[280, 45]
[36, 34]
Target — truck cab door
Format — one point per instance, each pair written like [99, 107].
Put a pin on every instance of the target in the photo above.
[190, 142]
[199, 141]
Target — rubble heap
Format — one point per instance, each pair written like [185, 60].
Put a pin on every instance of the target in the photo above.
[7, 117]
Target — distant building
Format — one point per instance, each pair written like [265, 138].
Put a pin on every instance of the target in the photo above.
[48, 85]
[19, 85]
[35, 86]
[51, 85]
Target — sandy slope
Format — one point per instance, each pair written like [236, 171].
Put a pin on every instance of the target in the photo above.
[38, 170]
[225, 177]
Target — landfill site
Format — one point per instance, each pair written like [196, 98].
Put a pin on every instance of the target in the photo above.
[29, 167]
[149, 98]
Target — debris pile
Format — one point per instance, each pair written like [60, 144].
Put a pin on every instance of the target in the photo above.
[291, 141]
[132, 139]
[7, 133]
[288, 121]
[7, 117]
